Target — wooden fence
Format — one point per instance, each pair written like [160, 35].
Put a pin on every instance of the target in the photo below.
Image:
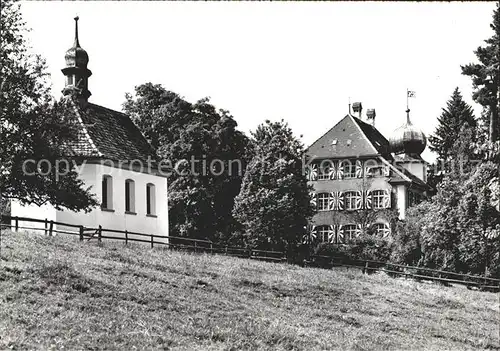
[172, 242]
[207, 246]
[417, 273]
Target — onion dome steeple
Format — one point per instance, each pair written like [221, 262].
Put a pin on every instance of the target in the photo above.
[408, 139]
[76, 71]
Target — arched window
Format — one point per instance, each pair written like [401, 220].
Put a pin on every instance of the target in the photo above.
[129, 196]
[107, 192]
[349, 169]
[326, 170]
[150, 200]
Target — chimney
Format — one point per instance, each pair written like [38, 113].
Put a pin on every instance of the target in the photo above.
[370, 116]
[357, 108]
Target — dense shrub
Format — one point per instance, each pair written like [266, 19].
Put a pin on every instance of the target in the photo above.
[407, 244]
[458, 229]
[365, 247]
[335, 250]
[372, 248]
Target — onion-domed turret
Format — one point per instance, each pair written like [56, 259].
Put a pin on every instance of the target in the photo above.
[408, 139]
[76, 56]
[76, 70]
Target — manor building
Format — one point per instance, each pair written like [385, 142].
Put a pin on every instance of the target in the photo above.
[114, 159]
[361, 181]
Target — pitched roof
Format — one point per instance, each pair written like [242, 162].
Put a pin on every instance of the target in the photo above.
[365, 140]
[109, 134]
[375, 137]
[350, 137]
[414, 179]
[401, 174]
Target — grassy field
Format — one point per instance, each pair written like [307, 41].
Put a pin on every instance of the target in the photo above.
[59, 293]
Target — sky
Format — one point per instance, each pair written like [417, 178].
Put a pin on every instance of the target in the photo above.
[298, 61]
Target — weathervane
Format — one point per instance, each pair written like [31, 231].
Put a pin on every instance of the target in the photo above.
[409, 94]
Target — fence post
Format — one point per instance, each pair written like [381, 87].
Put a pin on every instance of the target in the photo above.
[211, 248]
[46, 225]
[151, 240]
[51, 228]
[195, 246]
[126, 237]
[485, 274]
[225, 251]
[81, 233]
[17, 224]
[99, 233]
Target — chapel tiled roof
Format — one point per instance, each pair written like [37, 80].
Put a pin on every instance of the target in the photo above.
[109, 134]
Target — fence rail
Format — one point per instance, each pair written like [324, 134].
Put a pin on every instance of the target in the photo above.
[207, 246]
[419, 273]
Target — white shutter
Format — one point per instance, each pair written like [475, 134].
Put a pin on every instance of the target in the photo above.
[387, 198]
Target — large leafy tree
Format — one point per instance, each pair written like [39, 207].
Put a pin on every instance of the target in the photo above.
[441, 228]
[273, 205]
[207, 153]
[485, 77]
[34, 127]
[480, 241]
[459, 228]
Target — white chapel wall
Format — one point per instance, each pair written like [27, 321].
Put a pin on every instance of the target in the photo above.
[117, 218]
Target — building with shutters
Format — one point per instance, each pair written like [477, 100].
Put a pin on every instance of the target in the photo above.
[114, 159]
[362, 180]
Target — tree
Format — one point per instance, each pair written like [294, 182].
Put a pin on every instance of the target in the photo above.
[159, 114]
[459, 228]
[273, 205]
[34, 127]
[407, 247]
[485, 76]
[441, 229]
[480, 239]
[456, 119]
[209, 155]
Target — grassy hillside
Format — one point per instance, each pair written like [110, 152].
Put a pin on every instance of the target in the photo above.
[60, 293]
